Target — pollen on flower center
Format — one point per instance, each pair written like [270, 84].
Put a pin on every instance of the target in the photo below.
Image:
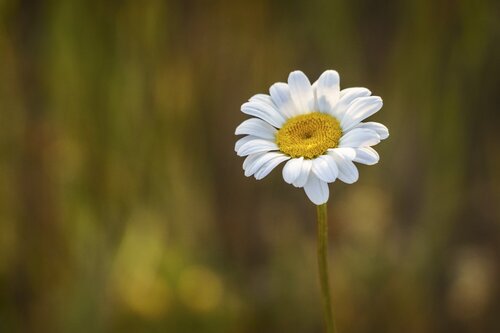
[309, 135]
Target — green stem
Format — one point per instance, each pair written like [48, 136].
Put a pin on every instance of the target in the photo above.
[323, 267]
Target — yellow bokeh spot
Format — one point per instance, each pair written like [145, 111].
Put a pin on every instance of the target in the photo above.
[309, 135]
[136, 279]
[200, 288]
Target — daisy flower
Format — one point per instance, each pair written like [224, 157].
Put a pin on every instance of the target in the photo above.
[316, 128]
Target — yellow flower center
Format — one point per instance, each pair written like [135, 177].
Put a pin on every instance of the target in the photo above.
[309, 135]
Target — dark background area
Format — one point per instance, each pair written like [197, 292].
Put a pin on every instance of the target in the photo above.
[123, 207]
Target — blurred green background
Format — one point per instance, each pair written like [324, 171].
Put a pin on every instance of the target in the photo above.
[123, 207]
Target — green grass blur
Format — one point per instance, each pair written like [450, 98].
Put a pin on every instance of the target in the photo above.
[123, 207]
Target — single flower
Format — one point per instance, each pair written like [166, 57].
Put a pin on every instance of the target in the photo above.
[317, 128]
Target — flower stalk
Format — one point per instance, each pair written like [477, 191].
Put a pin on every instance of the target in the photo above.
[323, 266]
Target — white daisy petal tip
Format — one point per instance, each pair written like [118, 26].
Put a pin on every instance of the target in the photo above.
[359, 137]
[366, 155]
[325, 168]
[301, 92]
[292, 169]
[282, 98]
[264, 111]
[267, 167]
[360, 109]
[380, 129]
[257, 145]
[317, 190]
[348, 173]
[327, 91]
[332, 72]
[303, 175]
[256, 127]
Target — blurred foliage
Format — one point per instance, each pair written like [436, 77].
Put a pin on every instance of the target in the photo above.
[123, 207]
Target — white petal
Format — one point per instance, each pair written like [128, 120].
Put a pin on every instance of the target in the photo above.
[260, 161]
[366, 155]
[250, 159]
[360, 109]
[325, 168]
[291, 170]
[349, 153]
[256, 127]
[263, 111]
[301, 92]
[304, 174]
[381, 130]
[348, 173]
[359, 137]
[256, 146]
[316, 190]
[315, 87]
[280, 94]
[327, 91]
[347, 96]
[354, 92]
[242, 141]
[264, 99]
[269, 166]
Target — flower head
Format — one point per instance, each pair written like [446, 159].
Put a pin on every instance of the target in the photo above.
[317, 128]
